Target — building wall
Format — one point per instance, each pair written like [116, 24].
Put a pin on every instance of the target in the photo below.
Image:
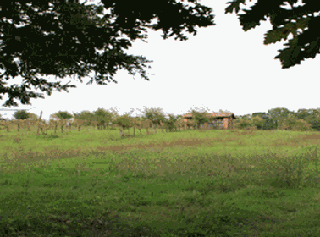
[227, 119]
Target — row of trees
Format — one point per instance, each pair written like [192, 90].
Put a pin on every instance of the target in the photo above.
[276, 119]
[283, 119]
[102, 118]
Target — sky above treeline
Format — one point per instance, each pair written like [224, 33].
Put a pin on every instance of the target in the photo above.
[222, 67]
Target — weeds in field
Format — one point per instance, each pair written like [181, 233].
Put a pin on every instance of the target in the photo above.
[184, 183]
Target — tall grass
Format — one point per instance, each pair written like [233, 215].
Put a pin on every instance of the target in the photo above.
[184, 183]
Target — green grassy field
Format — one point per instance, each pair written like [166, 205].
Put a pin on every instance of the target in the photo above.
[184, 183]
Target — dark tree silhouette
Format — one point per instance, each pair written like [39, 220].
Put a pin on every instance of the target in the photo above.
[61, 38]
[285, 21]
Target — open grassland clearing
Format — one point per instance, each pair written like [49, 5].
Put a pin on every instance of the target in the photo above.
[184, 183]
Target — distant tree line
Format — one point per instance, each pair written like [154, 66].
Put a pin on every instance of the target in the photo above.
[279, 118]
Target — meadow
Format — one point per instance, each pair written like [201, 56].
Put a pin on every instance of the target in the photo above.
[183, 183]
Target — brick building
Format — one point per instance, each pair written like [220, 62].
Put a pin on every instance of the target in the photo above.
[217, 120]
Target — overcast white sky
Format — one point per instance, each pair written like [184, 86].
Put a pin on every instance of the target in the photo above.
[222, 67]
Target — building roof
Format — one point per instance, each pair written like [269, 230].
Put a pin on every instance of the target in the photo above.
[220, 115]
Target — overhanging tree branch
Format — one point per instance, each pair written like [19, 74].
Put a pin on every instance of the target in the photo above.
[62, 38]
[303, 45]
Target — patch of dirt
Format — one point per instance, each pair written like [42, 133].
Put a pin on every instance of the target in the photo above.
[244, 132]
[312, 139]
[181, 142]
[299, 140]
[315, 136]
[154, 145]
[57, 153]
